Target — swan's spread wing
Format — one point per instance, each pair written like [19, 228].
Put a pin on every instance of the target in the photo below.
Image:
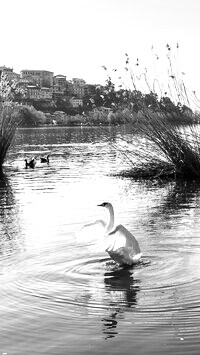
[91, 232]
[122, 246]
[121, 237]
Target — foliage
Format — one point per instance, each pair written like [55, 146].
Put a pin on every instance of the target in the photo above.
[10, 90]
[97, 117]
[11, 113]
[32, 117]
[10, 117]
[42, 105]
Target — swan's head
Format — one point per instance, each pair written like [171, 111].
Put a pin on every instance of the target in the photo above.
[105, 204]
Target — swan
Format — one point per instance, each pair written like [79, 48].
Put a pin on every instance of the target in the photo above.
[119, 243]
[45, 160]
[30, 164]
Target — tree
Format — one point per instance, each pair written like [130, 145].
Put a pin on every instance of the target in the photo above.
[10, 91]
[11, 114]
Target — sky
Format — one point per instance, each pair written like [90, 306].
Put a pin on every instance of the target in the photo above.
[77, 37]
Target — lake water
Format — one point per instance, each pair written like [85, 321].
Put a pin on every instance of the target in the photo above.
[59, 297]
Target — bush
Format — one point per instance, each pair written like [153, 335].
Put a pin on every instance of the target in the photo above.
[32, 117]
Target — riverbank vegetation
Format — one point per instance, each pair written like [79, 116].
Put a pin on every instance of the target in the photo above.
[167, 139]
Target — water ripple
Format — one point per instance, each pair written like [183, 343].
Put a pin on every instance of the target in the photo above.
[54, 274]
[58, 297]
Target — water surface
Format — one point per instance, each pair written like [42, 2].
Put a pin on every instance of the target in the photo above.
[60, 297]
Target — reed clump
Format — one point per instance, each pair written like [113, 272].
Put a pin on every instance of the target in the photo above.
[166, 149]
[161, 149]
[166, 139]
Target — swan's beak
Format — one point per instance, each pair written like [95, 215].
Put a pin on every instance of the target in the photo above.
[101, 205]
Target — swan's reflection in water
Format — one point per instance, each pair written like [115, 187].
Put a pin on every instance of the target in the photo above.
[122, 289]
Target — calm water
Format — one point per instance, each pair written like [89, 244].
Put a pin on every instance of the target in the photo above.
[59, 297]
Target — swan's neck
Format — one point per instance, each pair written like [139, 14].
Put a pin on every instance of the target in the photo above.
[111, 220]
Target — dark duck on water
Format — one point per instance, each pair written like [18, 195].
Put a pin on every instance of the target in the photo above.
[44, 160]
[30, 164]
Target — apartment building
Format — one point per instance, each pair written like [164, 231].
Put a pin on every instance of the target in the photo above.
[76, 102]
[36, 93]
[76, 87]
[41, 78]
[59, 85]
[46, 93]
[78, 82]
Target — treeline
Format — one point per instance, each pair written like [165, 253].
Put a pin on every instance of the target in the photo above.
[101, 105]
[125, 108]
[138, 102]
[108, 106]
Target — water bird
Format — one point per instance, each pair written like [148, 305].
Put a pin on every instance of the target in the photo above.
[30, 164]
[119, 243]
[44, 160]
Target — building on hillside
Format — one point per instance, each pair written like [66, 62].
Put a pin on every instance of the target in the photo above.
[42, 78]
[76, 102]
[46, 93]
[28, 80]
[77, 87]
[60, 81]
[24, 83]
[78, 82]
[59, 86]
[69, 87]
[36, 93]
[33, 92]
[78, 91]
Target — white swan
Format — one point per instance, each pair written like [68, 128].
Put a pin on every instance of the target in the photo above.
[120, 244]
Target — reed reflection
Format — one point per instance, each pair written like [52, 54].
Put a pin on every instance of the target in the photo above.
[9, 218]
[122, 289]
[181, 197]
